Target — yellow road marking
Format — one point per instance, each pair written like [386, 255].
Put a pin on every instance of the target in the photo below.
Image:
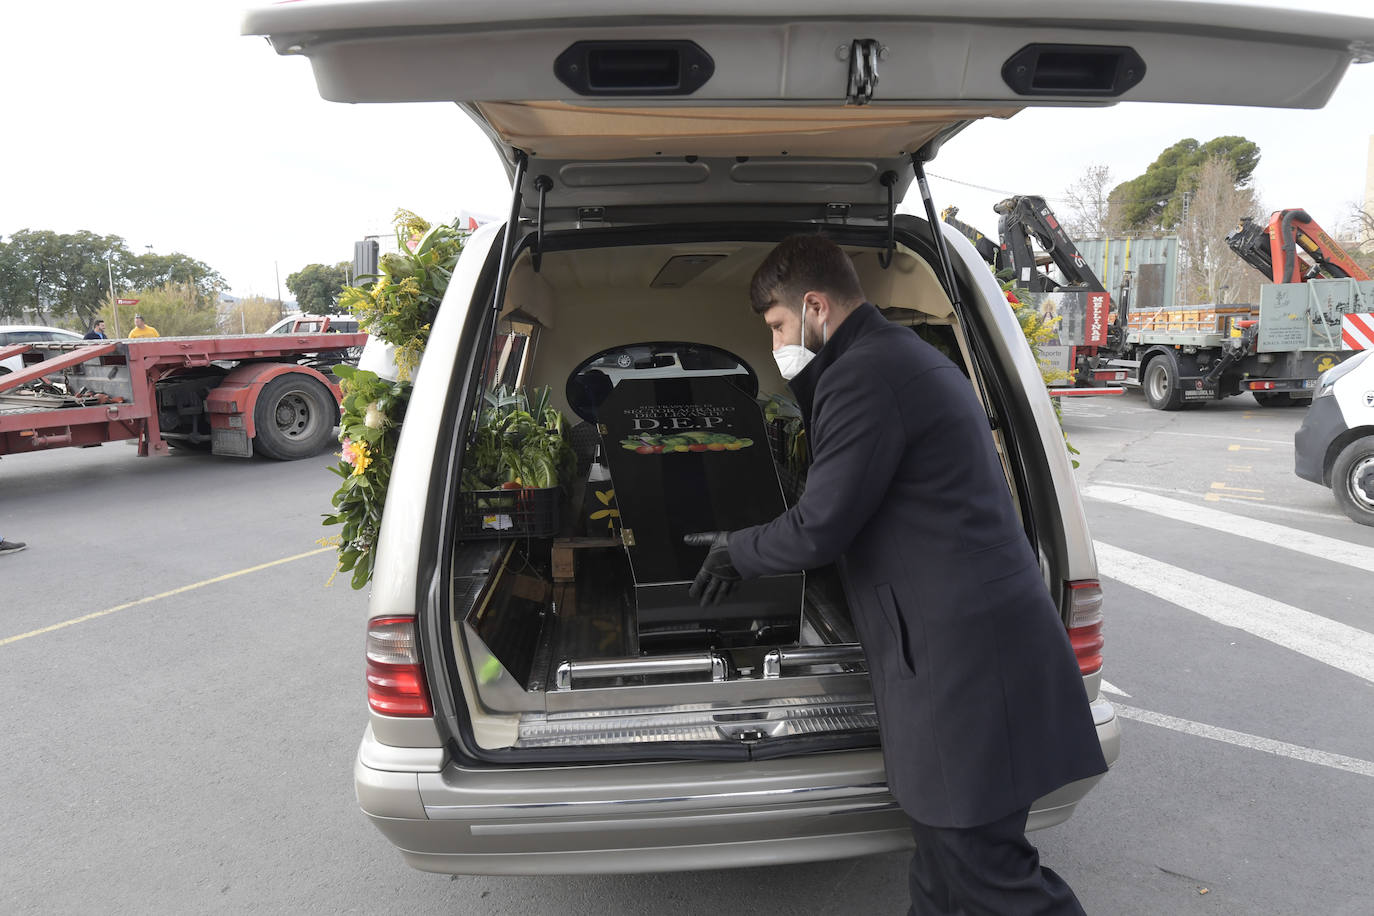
[1245, 448]
[1240, 467]
[1218, 497]
[1222, 486]
[151, 598]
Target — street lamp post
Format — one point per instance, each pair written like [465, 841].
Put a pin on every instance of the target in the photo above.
[114, 302]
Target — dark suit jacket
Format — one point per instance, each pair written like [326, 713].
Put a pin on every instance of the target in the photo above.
[981, 705]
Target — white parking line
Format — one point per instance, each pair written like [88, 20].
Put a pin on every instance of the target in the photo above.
[1253, 742]
[1266, 506]
[1320, 638]
[1316, 545]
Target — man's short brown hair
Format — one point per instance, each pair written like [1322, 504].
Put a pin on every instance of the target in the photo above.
[800, 264]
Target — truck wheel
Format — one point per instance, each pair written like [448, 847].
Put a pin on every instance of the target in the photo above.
[1352, 480]
[1161, 383]
[295, 417]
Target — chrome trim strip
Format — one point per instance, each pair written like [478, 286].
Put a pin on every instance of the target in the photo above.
[713, 819]
[668, 804]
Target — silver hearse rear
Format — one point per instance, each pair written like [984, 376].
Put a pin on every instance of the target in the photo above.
[539, 710]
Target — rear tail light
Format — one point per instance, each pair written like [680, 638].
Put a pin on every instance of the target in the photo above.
[1085, 624]
[1261, 386]
[395, 676]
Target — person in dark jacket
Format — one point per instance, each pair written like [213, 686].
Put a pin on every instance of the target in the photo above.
[981, 705]
[97, 331]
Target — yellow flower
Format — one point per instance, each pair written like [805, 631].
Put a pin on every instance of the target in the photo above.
[363, 459]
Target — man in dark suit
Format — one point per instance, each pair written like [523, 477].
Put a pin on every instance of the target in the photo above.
[981, 705]
[97, 331]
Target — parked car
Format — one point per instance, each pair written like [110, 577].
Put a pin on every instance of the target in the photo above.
[28, 333]
[315, 324]
[1335, 445]
[521, 725]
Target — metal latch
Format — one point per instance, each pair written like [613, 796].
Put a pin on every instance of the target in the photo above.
[590, 215]
[836, 213]
[863, 56]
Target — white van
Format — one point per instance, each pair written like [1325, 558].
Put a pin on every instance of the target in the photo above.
[520, 724]
[1335, 445]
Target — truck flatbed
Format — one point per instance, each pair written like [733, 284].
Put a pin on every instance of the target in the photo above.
[224, 392]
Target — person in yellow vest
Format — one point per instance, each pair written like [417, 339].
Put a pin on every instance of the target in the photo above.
[142, 328]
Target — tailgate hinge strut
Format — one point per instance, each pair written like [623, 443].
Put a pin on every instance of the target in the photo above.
[498, 296]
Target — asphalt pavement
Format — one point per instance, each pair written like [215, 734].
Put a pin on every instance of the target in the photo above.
[184, 696]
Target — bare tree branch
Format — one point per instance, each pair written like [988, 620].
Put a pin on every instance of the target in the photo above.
[1089, 209]
[1211, 270]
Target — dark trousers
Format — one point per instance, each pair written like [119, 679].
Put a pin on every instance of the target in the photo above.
[991, 869]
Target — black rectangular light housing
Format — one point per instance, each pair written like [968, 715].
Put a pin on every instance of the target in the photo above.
[1104, 71]
[631, 68]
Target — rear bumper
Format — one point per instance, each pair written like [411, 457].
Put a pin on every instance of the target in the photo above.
[1322, 425]
[653, 817]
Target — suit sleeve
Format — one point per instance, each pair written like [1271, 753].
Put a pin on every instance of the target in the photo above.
[858, 438]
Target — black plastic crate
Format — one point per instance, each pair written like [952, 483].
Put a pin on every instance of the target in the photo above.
[523, 513]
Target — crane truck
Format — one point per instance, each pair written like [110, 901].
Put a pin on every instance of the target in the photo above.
[1307, 321]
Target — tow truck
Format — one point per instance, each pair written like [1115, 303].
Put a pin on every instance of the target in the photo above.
[232, 395]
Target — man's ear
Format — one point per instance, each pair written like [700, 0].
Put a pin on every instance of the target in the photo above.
[818, 304]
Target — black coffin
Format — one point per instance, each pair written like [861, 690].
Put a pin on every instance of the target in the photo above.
[691, 454]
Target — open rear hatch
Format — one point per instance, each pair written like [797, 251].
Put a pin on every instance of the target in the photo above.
[609, 103]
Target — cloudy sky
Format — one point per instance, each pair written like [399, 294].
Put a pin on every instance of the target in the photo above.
[155, 121]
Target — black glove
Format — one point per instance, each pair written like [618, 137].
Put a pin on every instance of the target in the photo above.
[717, 576]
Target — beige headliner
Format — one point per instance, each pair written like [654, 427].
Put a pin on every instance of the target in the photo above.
[559, 130]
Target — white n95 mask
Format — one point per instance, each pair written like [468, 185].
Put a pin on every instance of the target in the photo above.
[792, 358]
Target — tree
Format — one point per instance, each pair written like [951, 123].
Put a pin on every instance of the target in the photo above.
[150, 270]
[16, 285]
[252, 315]
[175, 309]
[1154, 200]
[1089, 199]
[1211, 270]
[317, 287]
[66, 276]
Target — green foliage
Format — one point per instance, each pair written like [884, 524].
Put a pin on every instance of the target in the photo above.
[67, 275]
[783, 411]
[523, 445]
[1154, 200]
[175, 309]
[373, 409]
[147, 271]
[317, 287]
[518, 441]
[400, 305]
